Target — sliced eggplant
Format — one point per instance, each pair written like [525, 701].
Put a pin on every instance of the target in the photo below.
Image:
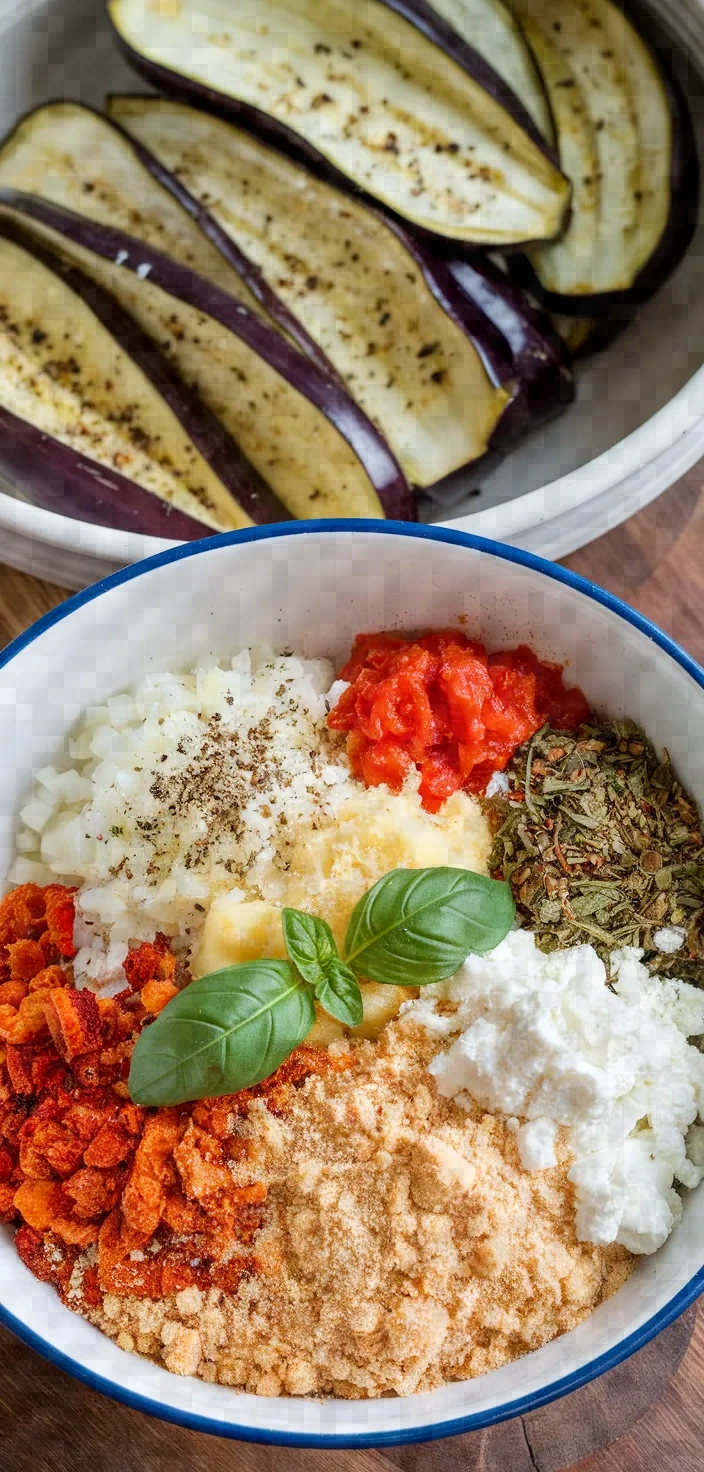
[76, 156]
[366, 93]
[541, 357]
[489, 27]
[432, 374]
[626, 142]
[95, 424]
[299, 429]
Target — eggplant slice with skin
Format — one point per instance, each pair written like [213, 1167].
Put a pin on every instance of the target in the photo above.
[95, 425]
[75, 155]
[626, 142]
[541, 356]
[430, 372]
[365, 93]
[311, 445]
[489, 28]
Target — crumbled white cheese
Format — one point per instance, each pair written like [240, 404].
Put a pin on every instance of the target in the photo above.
[670, 939]
[536, 1143]
[498, 784]
[545, 1039]
[337, 689]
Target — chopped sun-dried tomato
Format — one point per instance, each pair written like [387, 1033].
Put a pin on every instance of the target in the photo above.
[8, 1210]
[48, 1260]
[111, 1146]
[18, 1061]
[155, 994]
[90, 1288]
[440, 704]
[7, 1164]
[12, 993]
[94, 1192]
[153, 1173]
[60, 917]
[74, 1021]
[80, 1164]
[25, 959]
[152, 961]
[27, 1021]
[22, 914]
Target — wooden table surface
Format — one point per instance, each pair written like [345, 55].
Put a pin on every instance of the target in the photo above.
[49, 1423]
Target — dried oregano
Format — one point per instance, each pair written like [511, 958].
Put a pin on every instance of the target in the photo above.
[602, 845]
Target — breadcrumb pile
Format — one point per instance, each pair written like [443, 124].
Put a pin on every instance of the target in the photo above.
[402, 1245]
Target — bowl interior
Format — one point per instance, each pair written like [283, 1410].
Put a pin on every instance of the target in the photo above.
[53, 48]
[311, 590]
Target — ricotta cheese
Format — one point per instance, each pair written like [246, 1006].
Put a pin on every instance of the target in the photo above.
[543, 1038]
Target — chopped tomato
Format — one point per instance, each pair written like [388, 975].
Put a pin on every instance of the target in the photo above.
[82, 1166]
[441, 704]
[370, 652]
[384, 762]
[564, 709]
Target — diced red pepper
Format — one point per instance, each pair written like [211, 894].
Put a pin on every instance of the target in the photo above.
[441, 704]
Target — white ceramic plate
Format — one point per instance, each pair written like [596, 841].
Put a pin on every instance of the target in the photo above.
[312, 587]
[638, 423]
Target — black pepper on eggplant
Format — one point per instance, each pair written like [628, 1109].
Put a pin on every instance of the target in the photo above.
[422, 360]
[387, 97]
[95, 424]
[626, 142]
[489, 28]
[300, 430]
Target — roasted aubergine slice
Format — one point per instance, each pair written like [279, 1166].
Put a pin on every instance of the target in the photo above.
[386, 97]
[424, 364]
[300, 430]
[626, 143]
[97, 425]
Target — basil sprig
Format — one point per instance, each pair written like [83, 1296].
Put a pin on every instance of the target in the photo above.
[311, 946]
[232, 1029]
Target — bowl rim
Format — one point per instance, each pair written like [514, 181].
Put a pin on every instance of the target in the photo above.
[626, 1346]
[677, 426]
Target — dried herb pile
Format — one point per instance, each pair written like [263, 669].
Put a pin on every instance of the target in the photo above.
[602, 845]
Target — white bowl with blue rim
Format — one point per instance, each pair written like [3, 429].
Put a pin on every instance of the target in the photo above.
[311, 587]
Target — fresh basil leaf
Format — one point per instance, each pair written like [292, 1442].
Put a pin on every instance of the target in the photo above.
[222, 1033]
[310, 944]
[417, 926]
[312, 947]
[339, 994]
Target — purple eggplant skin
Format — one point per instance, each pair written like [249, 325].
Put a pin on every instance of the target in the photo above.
[212, 441]
[179, 281]
[442, 34]
[84, 488]
[542, 364]
[497, 356]
[245, 268]
[542, 360]
[488, 342]
[278, 135]
[685, 178]
[58, 478]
